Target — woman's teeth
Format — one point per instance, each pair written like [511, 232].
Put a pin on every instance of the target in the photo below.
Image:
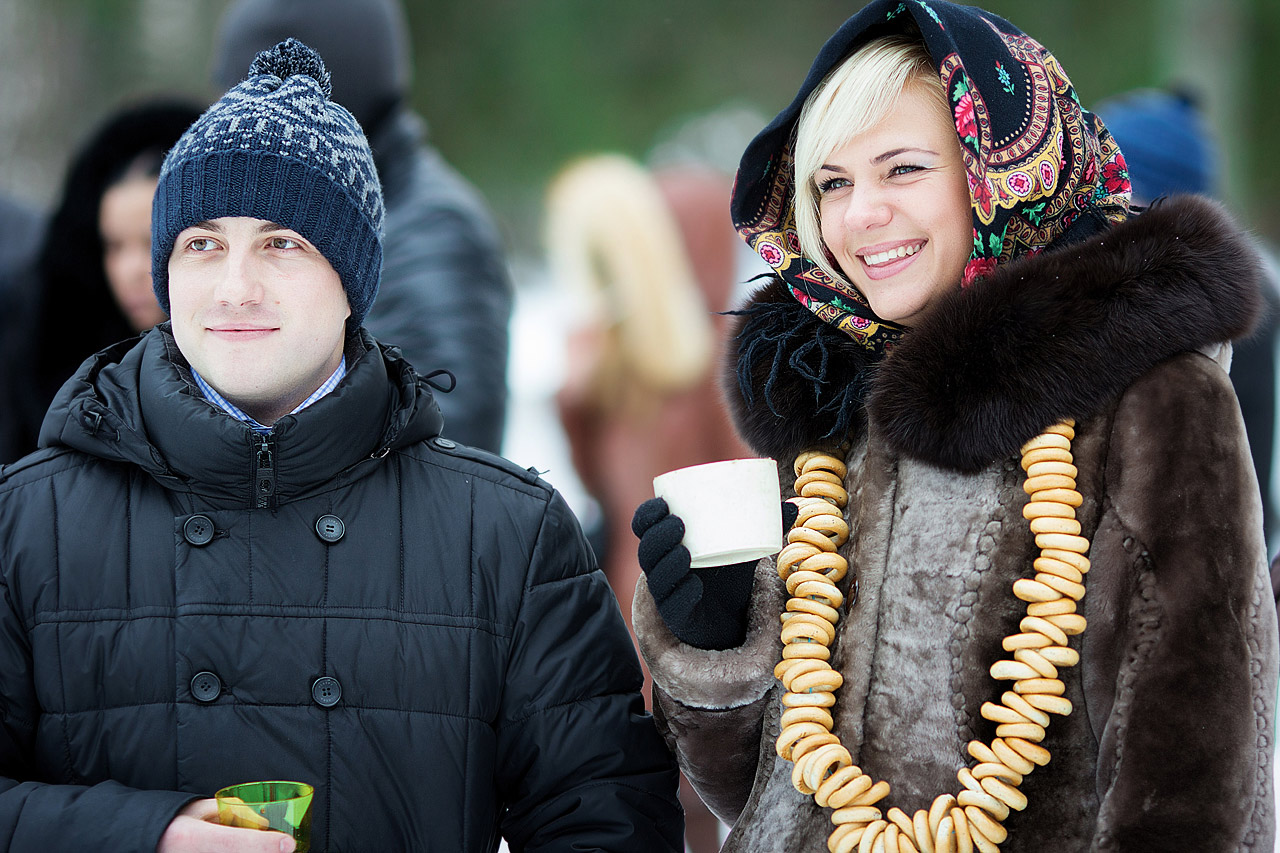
[891, 255]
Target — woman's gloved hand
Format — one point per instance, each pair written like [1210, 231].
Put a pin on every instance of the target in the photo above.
[707, 608]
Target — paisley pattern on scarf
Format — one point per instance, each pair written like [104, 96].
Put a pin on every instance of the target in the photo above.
[1035, 159]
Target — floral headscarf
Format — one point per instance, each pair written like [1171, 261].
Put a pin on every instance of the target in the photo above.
[1036, 161]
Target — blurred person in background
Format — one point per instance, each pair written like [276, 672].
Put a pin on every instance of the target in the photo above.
[1169, 148]
[650, 260]
[20, 229]
[446, 295]
[91, 285]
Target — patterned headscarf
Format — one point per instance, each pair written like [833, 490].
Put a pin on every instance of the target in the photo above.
[1036, 161]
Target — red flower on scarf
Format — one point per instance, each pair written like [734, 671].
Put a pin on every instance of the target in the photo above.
[981, 192]
[966, 126]
[1115, 175]
[976, 269]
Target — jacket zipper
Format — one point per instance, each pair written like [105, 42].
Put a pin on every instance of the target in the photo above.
[264, 479]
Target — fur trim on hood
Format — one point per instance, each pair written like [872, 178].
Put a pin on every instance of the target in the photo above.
[1049, 336]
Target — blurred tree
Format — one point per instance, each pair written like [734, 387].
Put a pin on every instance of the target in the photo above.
[514, 88]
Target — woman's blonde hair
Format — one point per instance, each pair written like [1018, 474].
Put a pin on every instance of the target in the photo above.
[612, 238]
[854, 97]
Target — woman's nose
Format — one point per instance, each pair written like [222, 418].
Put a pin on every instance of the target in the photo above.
[867, 208]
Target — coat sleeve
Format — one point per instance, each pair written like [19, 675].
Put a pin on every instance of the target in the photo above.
[445, 299]
[711, 705]
[36, 817]
[1181, 680]
[581, 764]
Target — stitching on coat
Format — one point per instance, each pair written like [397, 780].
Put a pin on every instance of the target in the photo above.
[128, 538]
[328, 718]
[395, 470]
[57, 633]
[1263, 779]
[248, 532]
[1144, 612]
[612, 783]
[296, 611]
[581, 700]
[880, 608]
[13, 487]
[471, 660]
[303, 703]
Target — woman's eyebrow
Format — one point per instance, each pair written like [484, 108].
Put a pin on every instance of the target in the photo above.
[895, 152]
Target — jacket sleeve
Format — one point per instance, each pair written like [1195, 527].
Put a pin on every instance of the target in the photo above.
[1181, 680]
[36, 817]
[445, 299]
[711, 705]
[581, 764]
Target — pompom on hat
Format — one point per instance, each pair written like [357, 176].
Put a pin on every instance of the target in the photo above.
[275, 147]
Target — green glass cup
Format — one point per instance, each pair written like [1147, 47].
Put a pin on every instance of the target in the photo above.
[280, 806]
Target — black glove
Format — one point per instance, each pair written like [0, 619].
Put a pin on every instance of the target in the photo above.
[706, 608]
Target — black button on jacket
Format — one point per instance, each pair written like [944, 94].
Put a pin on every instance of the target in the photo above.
[479, 676]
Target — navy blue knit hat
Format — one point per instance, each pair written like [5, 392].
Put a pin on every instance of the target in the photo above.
[276, 147]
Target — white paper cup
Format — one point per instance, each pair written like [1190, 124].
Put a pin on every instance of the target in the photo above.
[732, 511]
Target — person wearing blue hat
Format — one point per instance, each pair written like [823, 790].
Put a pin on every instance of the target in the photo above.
[246, 552]
[1170, 148]
[446, 296]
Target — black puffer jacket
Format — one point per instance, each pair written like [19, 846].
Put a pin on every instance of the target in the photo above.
[414, 627]
[445, 298]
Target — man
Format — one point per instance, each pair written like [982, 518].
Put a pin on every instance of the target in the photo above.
[246, 553]
[445, 298]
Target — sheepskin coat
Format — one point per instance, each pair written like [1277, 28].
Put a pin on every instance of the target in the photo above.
[1170, 743]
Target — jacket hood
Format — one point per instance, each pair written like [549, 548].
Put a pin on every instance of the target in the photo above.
[136, 402]
[1035, 160]
[364, 44]
[1047, 336]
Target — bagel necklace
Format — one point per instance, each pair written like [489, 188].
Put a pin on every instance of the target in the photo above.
[971, 819]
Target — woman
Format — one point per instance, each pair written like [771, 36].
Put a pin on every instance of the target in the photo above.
[1016, 387]
[649, 257]
[94, 268]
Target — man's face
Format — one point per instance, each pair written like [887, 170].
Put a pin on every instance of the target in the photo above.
[257, 311]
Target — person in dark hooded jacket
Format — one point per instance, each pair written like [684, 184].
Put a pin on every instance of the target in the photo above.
[1025, 602]
[446, 295]
[245, 552]
[89, 283]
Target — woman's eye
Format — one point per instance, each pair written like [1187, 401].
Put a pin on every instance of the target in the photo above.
[284, 243]
[905, 169]
[829, 184]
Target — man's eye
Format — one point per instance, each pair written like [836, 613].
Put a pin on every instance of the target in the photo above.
[201, 244]
[284, 243]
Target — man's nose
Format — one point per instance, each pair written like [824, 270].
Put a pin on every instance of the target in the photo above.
[241, 283]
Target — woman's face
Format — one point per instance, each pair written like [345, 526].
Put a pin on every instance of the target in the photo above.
[124, 221]
[894, 208]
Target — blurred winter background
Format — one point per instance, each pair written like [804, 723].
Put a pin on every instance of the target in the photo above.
[515, 89]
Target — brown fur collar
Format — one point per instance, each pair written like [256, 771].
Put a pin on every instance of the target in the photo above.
[1054, 335]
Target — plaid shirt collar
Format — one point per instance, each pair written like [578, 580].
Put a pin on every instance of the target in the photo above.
[231, 409]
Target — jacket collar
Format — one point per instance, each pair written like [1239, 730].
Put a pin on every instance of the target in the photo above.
[1052, 335]
[139, 404]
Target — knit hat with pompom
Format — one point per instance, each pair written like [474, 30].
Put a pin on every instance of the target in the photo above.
[275, 147]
